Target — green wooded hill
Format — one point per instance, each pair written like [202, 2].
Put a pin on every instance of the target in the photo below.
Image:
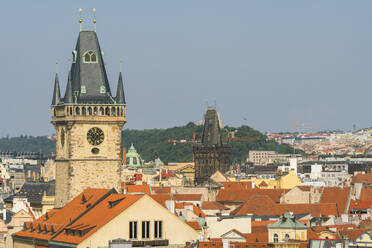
[153, 143]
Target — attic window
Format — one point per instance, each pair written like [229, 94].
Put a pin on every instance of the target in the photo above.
[90, 57]
[83, 89]
[102, 89]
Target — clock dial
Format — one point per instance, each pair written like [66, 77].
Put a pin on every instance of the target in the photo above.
[95, 136]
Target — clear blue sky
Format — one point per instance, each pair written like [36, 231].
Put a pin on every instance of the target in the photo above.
[265, 63]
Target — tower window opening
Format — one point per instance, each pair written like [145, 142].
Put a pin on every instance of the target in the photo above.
[113, 111]
[107, 111]
[95, 111]
[101, 111]
[70, 111]
[83, 111]
[77, 110]
[90, 57]
[89, 111]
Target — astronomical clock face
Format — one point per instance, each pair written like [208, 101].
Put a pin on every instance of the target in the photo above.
[95, 136]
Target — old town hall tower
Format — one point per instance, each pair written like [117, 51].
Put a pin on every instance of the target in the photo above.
[88, 122]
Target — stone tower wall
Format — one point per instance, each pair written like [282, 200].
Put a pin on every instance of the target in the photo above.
[77, 168]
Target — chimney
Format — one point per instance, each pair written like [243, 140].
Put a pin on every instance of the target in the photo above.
[124, 156]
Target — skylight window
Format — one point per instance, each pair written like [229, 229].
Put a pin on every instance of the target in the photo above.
[90, 57]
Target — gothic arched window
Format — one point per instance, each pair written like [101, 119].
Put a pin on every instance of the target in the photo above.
[90, 57]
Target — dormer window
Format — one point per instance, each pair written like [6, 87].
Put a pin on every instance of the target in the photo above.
[90, 57]
[102, 89]
[83, 89]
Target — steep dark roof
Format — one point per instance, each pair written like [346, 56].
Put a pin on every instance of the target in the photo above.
[56, 92]
[68, 94]
[34, 191]
[90, 75]
[211, 131]
[120, 98]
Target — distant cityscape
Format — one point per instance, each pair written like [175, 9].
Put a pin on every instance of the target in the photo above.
[281, 190]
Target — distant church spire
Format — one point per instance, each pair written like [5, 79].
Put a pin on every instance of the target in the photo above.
[68, 94]
[120, 98]
[56, 93]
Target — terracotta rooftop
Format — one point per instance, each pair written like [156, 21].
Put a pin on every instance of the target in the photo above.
[259, 205]
[263, 184]
[226, 195]
[161, 190]
[94, 219]
[362, 178]
[366, 194]
[304, 188]
[187, 197]
[137, 189]
[237, 185]
[212, 205]
[194, 224]
[336, 195]
[316, 210]
[56, 219]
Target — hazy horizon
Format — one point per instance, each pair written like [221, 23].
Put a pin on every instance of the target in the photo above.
[265, 64]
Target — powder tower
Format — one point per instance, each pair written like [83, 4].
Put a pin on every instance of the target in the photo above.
[211, 154]
[88, 122]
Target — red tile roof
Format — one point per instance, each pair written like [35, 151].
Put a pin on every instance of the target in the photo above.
[316, 210]
[362, 178]
[194, 224]
[208, 205]
[353, 234]
[187, 197]
[366, 194]
[237, 185]
[304, 188]
[161, 198]
[259, 205]
[56, 219]
[226, 195]
[360, 204]
[336, 195]
[263, 184]
[161, 190]
[98, 216]
[135, 189]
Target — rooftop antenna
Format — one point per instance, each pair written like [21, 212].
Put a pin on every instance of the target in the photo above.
[56, 67]
[80, 19]
[94, 19]
[121, 65]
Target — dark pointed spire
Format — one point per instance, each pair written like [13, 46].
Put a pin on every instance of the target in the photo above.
[120, 97]
[211, 132]
[68, 94]
[56, 94]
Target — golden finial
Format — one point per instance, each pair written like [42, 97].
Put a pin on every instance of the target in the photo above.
[121, 65]
[56, 67]
[80, 19]
[94, 19]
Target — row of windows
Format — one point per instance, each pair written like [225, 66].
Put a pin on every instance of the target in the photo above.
[145, 229]
[108, 111]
